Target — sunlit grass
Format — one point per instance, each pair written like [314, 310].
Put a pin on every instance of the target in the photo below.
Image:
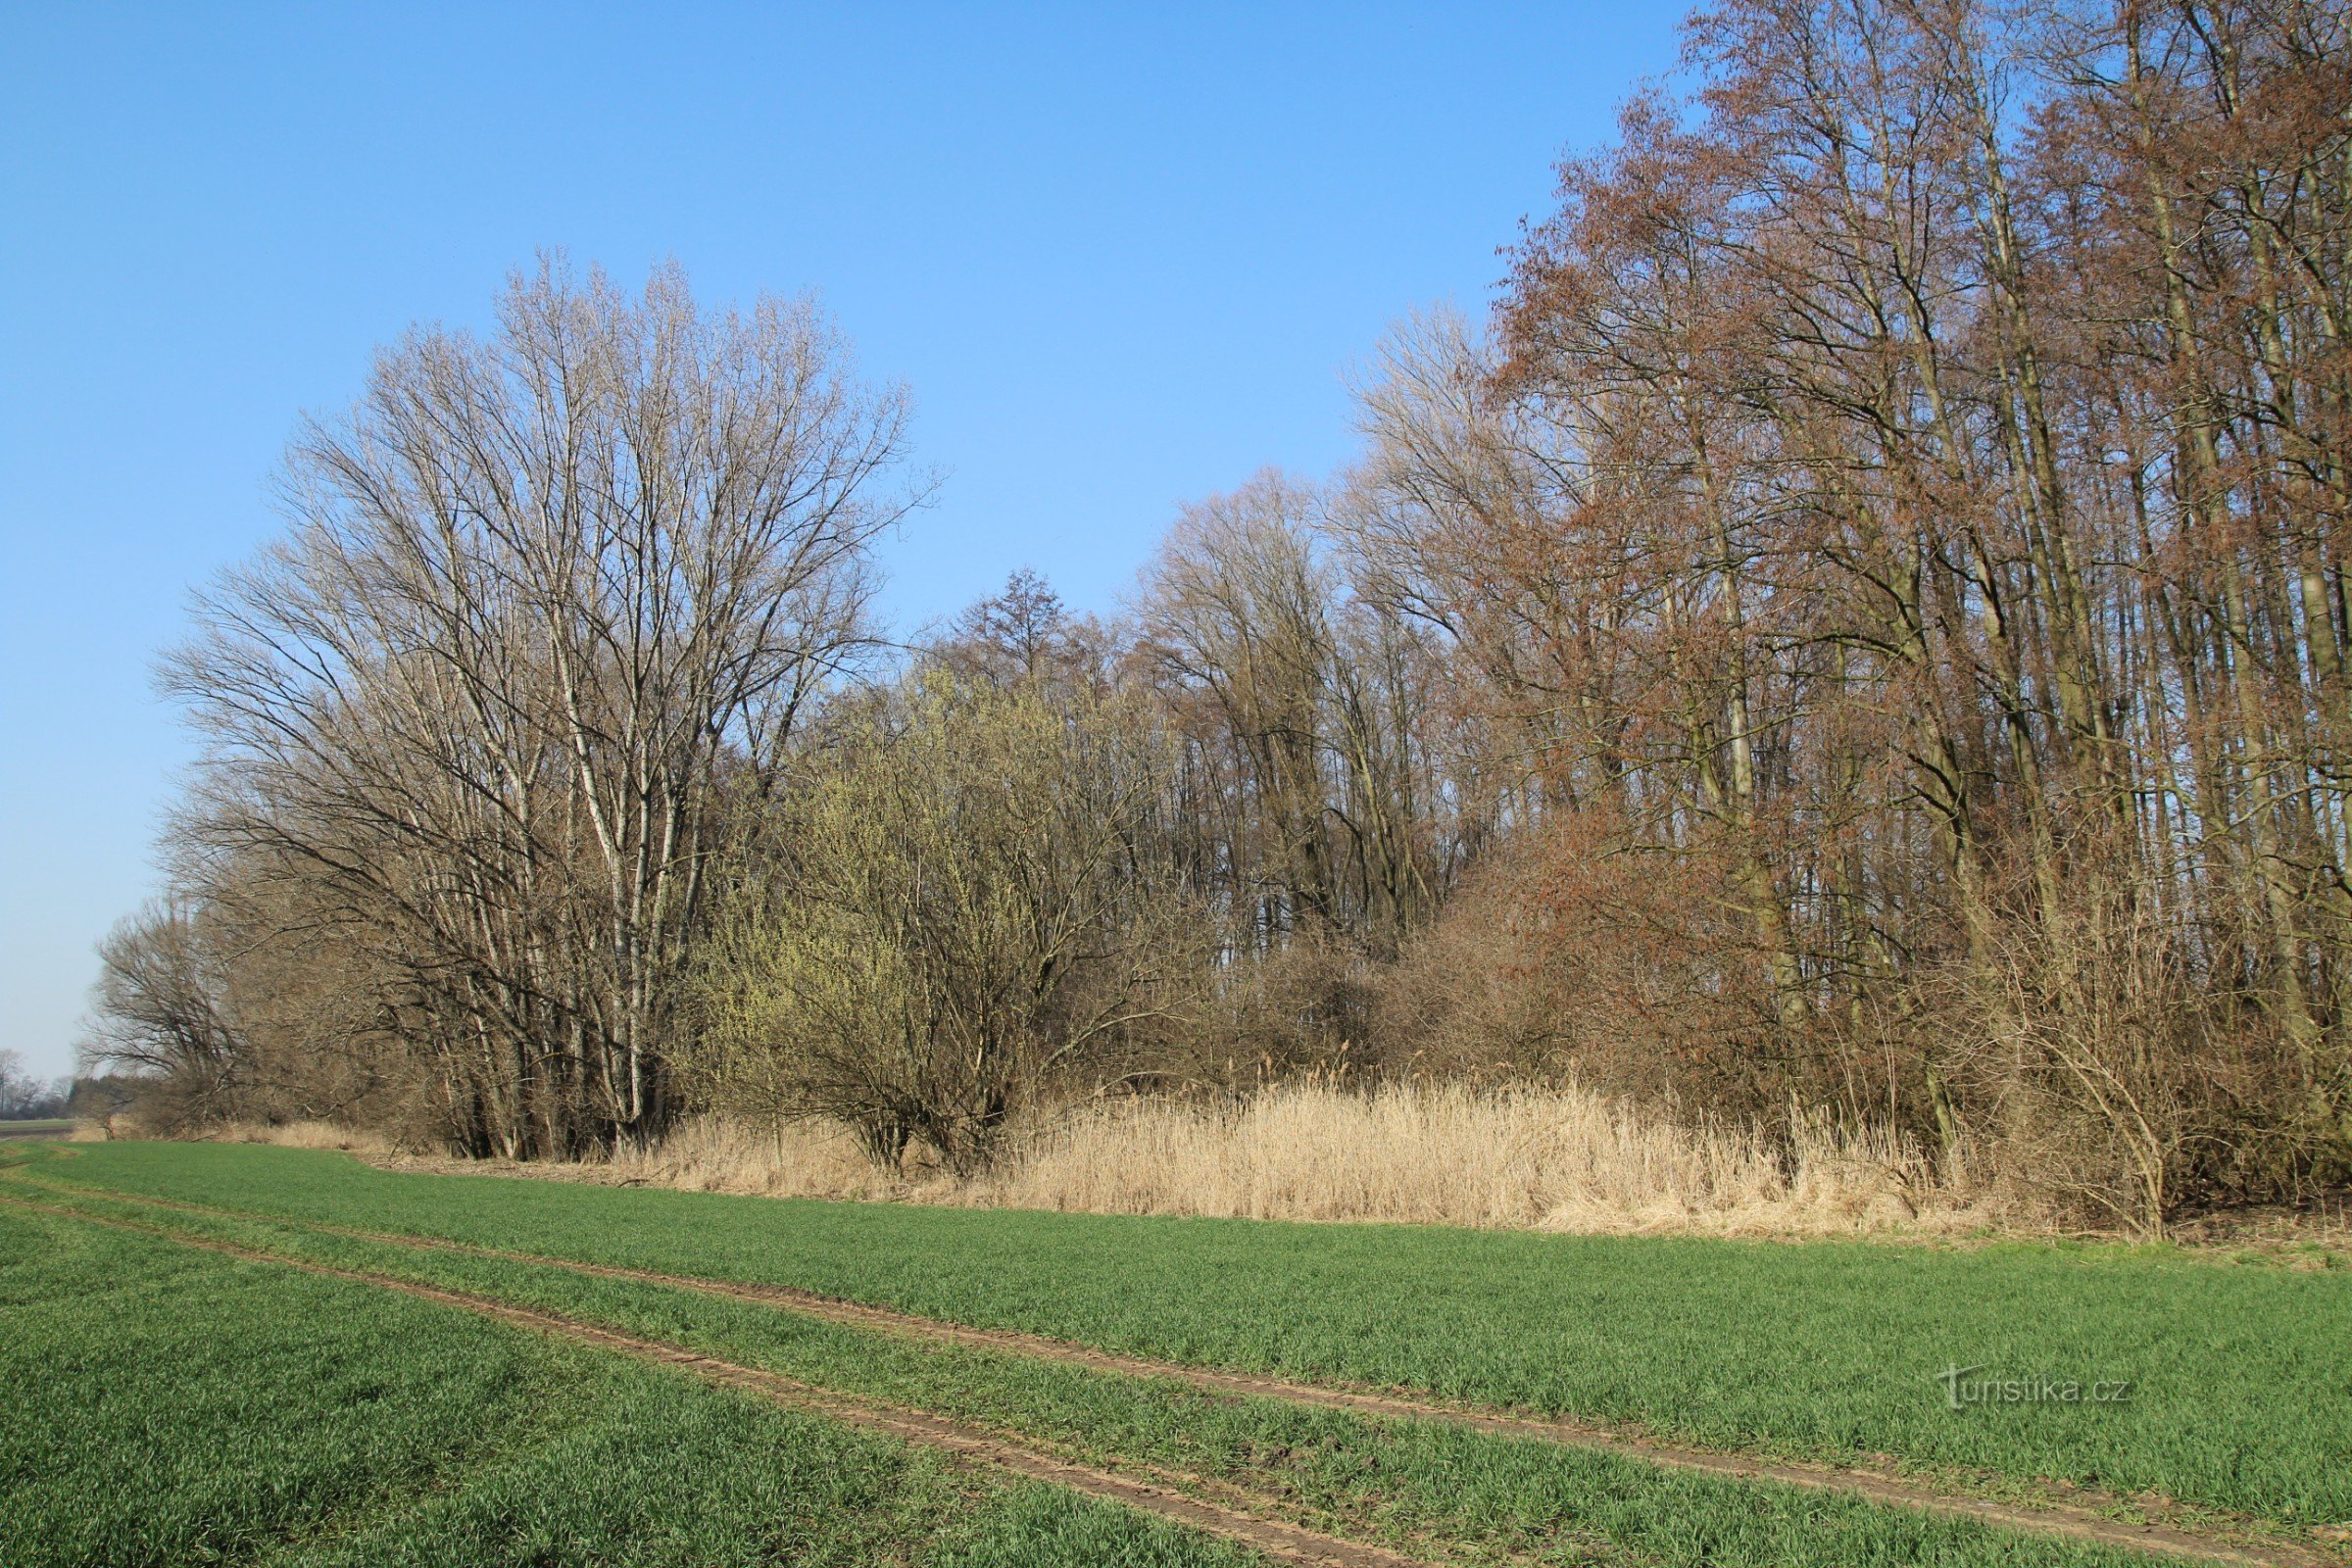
[2241, 1376]
[1407, 1483]
[167, 1406]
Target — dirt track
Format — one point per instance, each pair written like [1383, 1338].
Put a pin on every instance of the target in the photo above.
[1284, 1542]
[2073, 1523]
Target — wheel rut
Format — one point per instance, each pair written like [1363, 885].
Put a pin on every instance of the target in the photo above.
[966, 1445]
[2082, 1524]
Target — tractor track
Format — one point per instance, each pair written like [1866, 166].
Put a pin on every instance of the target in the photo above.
[2076, 1523]
[967, 1445]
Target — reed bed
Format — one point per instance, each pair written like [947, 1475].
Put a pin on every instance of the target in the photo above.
[1557, 1158]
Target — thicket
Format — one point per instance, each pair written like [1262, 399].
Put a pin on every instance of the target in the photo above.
[1861, 632]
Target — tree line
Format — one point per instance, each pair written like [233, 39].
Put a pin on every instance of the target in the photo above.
[26, 1097]
[1861, 631]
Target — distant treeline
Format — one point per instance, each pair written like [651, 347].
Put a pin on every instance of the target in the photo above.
[1862, 631]
[24, 1098]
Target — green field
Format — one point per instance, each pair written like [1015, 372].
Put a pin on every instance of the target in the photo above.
[168, 1407]
[2240, 1409]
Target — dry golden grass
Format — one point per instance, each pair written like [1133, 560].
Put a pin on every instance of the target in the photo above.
[1532, 1158]
[304, 1134]
[1551, 1158]
[800, 1159]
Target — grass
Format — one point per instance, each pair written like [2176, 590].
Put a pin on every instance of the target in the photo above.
[2242, 1375]
[1407, 1483]
[167, 1406]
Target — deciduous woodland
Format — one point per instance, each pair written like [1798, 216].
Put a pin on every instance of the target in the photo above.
[1859, 635]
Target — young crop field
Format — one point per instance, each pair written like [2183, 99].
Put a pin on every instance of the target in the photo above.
[222, 1352]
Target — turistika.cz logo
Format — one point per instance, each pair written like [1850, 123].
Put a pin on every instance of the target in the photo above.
[1963, 1390]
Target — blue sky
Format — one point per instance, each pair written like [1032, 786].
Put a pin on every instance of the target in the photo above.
[1122, 256]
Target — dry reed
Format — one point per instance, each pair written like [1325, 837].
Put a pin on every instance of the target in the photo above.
[1548, 1158]
[302, 1134]
[799, 1159]
[1558, 1157]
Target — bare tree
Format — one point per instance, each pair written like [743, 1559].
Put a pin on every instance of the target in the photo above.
[540, 594]
[1868, 624]
[163, 1013]
[24, 1096]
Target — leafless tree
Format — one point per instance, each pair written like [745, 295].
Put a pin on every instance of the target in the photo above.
[541, 592]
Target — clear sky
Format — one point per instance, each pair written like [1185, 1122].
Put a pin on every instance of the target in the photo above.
[1122, 256]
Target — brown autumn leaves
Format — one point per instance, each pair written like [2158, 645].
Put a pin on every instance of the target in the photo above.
[1864, 633]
